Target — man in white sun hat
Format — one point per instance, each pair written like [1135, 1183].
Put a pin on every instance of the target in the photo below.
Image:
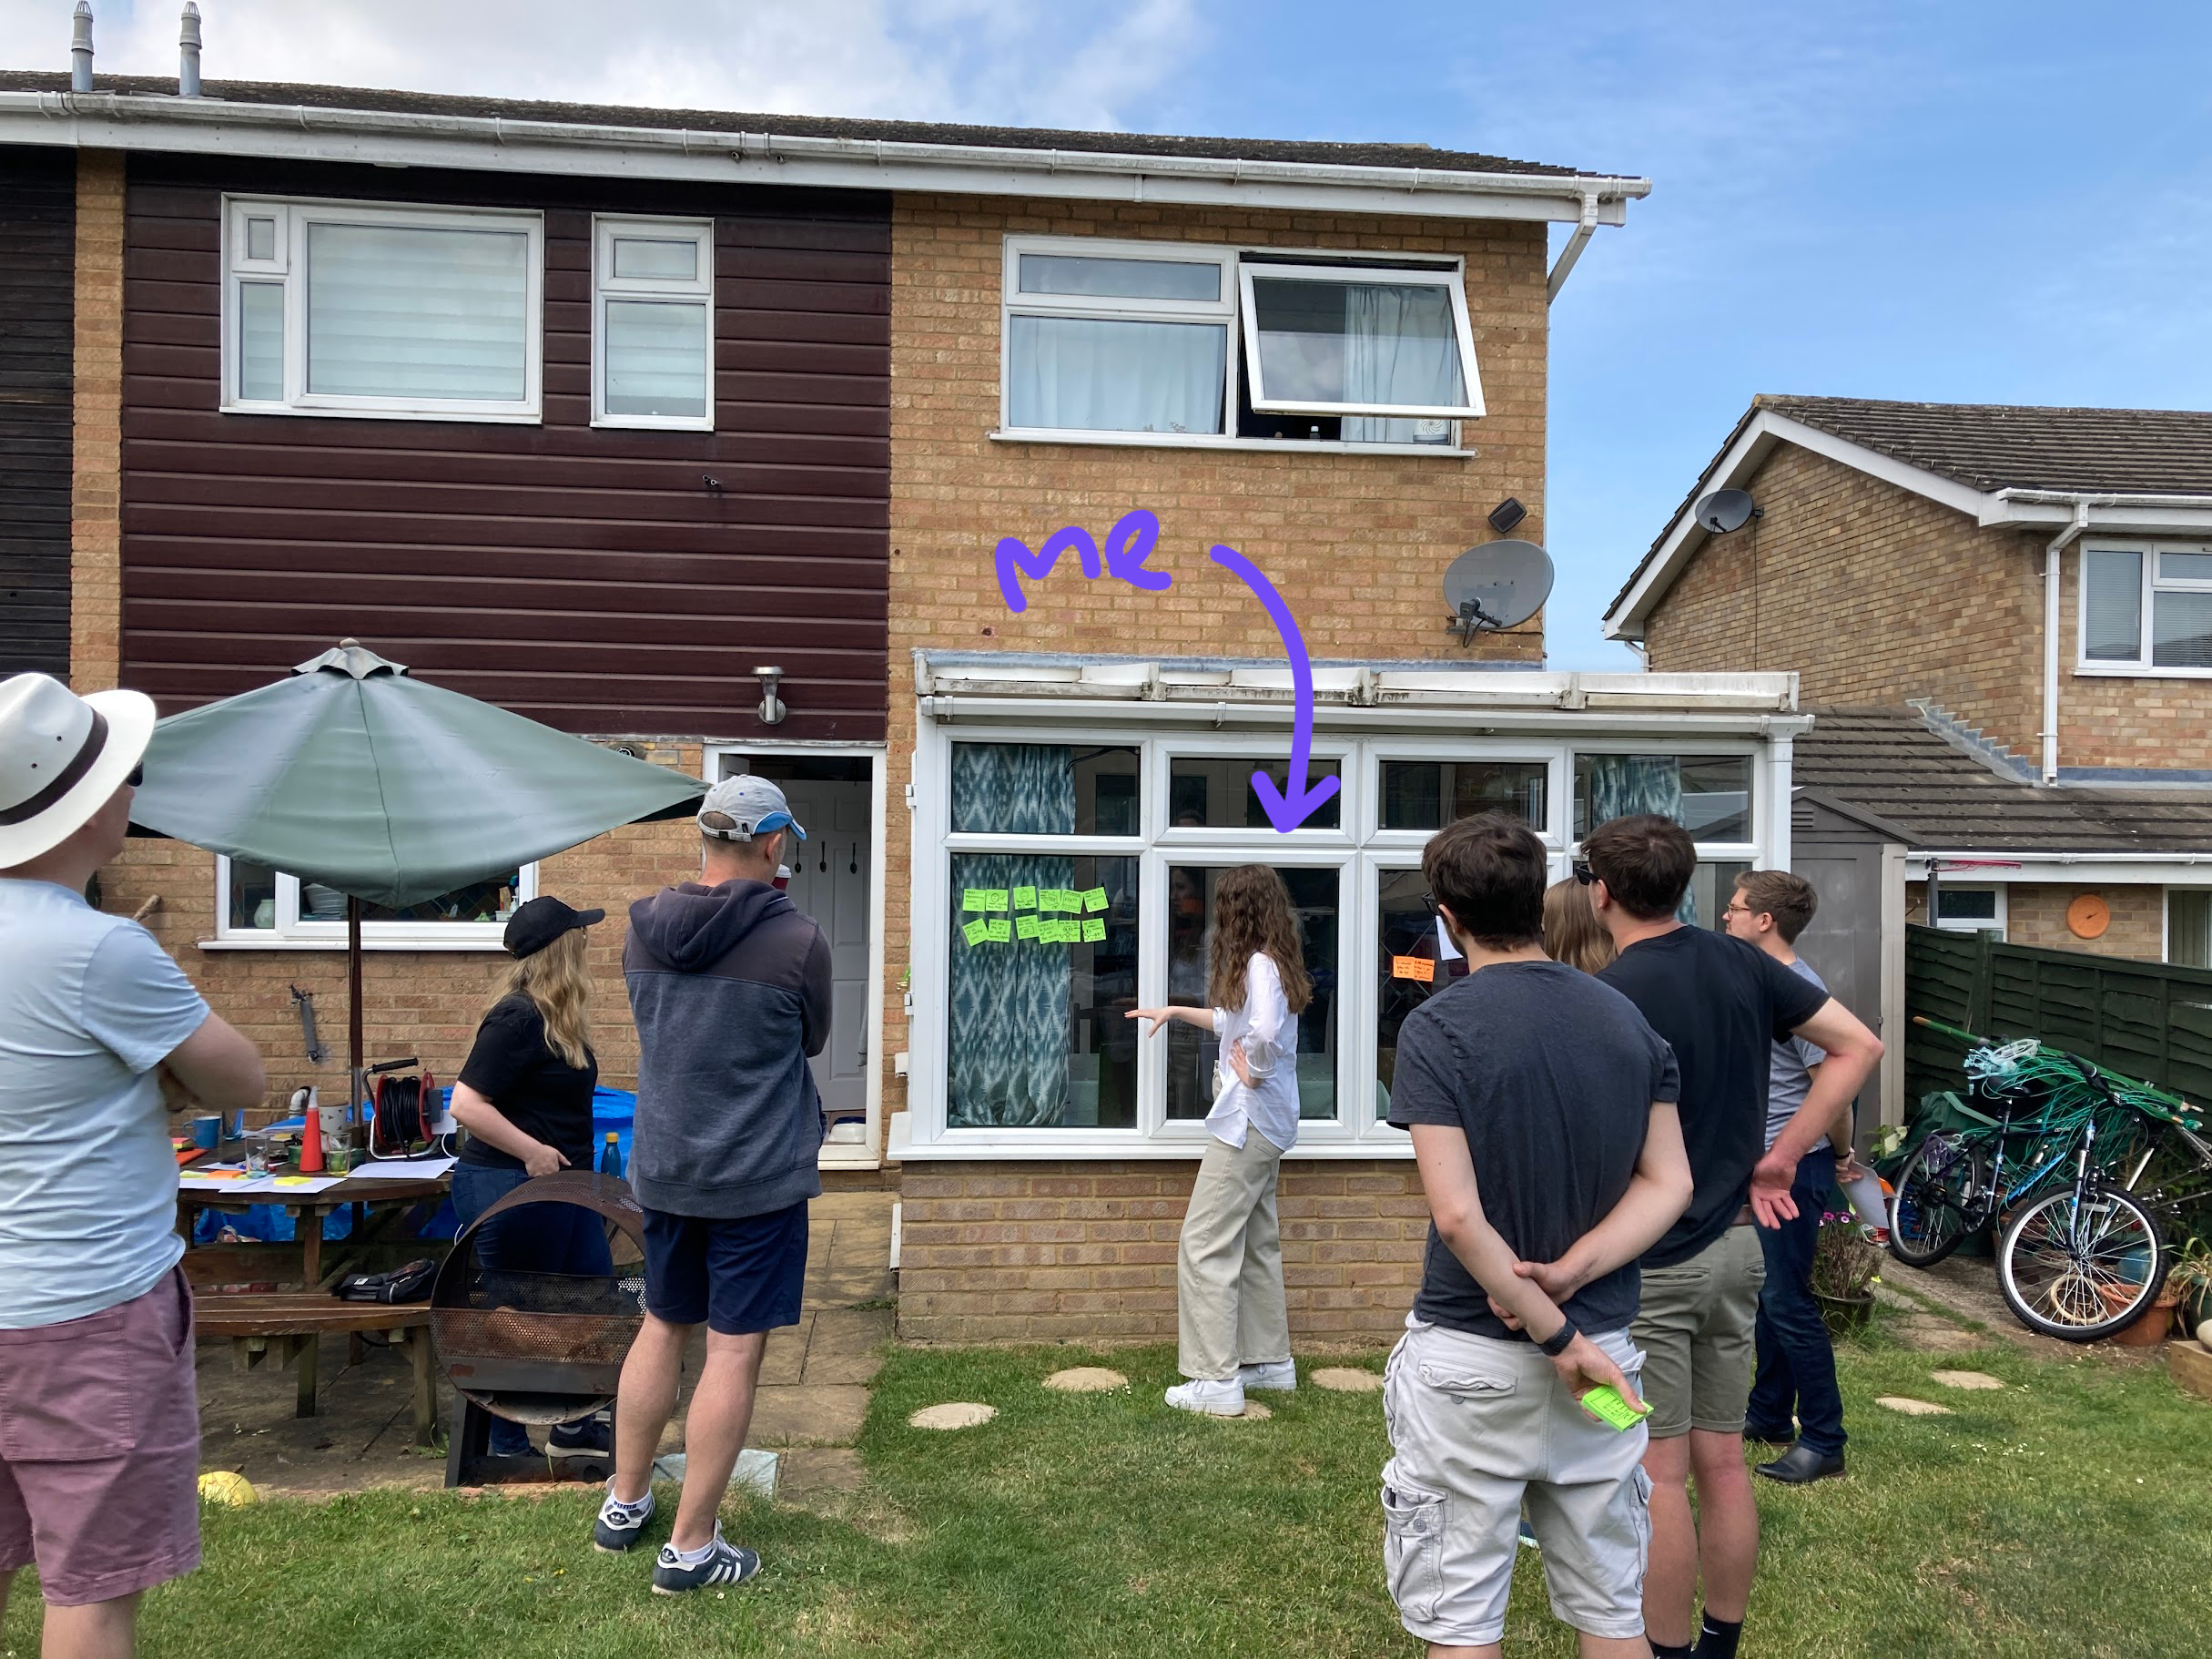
[99, 1421]
[730, 986]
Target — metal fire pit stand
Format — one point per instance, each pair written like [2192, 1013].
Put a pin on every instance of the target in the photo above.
[533, 1348]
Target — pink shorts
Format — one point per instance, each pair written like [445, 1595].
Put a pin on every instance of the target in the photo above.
[99, 1449]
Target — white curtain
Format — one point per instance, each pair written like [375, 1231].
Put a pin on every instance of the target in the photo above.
[401, 311]
[1399, 348]
[655, 357]
[1083, 373]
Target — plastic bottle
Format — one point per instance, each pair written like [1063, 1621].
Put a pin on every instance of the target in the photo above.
[610, 1157]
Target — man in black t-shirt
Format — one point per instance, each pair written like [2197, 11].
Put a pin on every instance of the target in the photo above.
[1552, 1092]
[1721, 1005]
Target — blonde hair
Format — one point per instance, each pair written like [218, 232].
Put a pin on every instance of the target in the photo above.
[1253, 915]
[1572, 932]
[557, 985]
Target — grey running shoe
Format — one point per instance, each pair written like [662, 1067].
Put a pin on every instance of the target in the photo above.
[725, 1564]
[619, 1526]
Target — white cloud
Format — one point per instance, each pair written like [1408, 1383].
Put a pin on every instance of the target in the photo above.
[976, 60]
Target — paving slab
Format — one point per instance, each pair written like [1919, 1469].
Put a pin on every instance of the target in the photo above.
[809, 1414]
[815, 1477]
[784, 1361]
[844, 1345]
[1966, 1379]
[1912, 1408]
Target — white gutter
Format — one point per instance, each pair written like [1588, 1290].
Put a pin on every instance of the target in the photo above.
[112, 120]
[1573, 250]
[951, 707]
[2052, 562]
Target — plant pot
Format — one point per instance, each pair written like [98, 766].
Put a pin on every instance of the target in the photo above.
[1845, 1316]
[2149, 1327]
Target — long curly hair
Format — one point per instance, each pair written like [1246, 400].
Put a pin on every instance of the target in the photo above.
[1252, 912]
[556, 981]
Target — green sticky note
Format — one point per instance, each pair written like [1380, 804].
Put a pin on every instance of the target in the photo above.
[1025, 897]
[994, 898]
[1002, 929]
[1070, 932]
[971, 899]
[1095, 899]
[1064, 899]
[1094, 928]
[1025, 927]
[977, 932]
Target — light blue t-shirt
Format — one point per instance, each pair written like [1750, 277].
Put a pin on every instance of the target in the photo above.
[89, 1005]
[1790, 1076]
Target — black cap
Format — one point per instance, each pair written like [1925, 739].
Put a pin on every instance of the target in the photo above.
[544, 918]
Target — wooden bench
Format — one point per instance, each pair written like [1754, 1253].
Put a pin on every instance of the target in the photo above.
[292, 1325]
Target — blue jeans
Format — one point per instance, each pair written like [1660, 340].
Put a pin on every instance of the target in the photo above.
[1797, 1368]
[534, 1238]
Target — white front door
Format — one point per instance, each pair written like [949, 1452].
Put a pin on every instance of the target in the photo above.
[829, 882]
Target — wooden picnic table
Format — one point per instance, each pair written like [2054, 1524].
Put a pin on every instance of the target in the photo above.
[290, 1319]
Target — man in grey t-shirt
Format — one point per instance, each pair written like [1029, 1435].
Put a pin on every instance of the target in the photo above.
[1797, 1368]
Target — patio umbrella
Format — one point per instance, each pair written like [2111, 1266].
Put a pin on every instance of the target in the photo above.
[355, 775]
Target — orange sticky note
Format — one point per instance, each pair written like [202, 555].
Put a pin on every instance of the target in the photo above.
[1413, 967]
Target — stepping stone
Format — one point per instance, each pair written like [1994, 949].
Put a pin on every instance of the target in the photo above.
[1966, 1379]
[1346, 1379]
[954, 1414]
[1253, 1412]
[1912, 1408]
[1086, 1380]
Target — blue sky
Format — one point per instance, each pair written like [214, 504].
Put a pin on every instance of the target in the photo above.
[1966, 201]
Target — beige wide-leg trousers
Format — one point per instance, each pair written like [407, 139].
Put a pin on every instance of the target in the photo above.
[1229, 1269]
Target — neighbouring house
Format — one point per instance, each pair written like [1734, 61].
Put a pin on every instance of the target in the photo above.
[602, 413]
[2002, 619]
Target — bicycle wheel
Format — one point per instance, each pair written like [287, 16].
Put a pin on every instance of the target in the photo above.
[1937, 1199]
[2080, 1265]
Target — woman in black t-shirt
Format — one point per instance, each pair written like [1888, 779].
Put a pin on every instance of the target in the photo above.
[525, 1098]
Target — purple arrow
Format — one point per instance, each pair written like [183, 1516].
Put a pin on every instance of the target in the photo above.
[1286, 810]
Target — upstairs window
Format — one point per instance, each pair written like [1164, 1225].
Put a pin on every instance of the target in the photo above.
[2147, 608]
[336, 309]
[653, 323]
[1191, 343]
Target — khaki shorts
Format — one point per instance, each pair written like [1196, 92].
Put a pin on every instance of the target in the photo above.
[1476, 1427]
[1698, 1326]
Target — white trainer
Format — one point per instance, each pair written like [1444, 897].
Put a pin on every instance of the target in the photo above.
[1281, 1376]
[1209, 1398]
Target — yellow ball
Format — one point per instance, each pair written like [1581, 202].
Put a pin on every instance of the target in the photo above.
[225, 1487]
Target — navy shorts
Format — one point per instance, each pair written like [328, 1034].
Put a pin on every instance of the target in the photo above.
[734, 1276]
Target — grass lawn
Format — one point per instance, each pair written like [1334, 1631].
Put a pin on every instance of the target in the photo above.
[2070, 1513]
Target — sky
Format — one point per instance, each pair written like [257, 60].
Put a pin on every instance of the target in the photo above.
[1958, 200]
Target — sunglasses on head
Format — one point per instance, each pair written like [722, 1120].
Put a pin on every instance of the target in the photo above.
[137, 775]
[1583, 872]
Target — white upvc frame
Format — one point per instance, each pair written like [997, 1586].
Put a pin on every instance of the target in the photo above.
[288, 270]
[291, 932]
[2140, 665]
[1446, 269]
[1454, 283]
[1360, 850]
[869, 1153]
[606, 285]
[1998, 890]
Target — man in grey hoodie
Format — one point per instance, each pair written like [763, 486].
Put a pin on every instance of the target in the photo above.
[730, 986]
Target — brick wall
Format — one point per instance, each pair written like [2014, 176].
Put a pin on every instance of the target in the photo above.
[2133, 721]
[1085, 1251]
[1871, 594]
[2036, 914]
[96, 536]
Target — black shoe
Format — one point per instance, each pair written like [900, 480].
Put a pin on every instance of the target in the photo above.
[1784, 1436]
[1801, 1466]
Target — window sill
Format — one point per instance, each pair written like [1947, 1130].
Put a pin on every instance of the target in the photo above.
[2137, 671]
[1094, 1147]
[528, 417]
[1155, 440]
[485, 943]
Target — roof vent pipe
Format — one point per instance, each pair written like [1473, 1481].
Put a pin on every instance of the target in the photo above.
[188, 53]
[80, 48]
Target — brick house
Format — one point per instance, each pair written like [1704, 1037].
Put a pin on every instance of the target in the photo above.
[595, 412]
[2010, 612]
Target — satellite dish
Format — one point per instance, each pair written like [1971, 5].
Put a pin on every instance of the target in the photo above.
[1725, 510]
[1499, 585]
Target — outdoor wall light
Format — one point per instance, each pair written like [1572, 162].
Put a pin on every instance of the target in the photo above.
[1508, 513]
[771, 710]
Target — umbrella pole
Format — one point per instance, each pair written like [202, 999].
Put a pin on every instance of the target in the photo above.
[357, 1080]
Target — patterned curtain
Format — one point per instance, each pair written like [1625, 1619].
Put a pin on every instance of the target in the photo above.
[1009, 1034]
[1623, 785]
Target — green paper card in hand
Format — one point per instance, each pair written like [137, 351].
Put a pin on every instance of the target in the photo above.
[1605, 1402]
[977, 932]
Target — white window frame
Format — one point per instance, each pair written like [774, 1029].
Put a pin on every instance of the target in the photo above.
[1358, 851]
[2140, 665]
[1996, 924]
[293, 215]
[292, 933]
[606, 285]
[1449, 270]
[1452, 282]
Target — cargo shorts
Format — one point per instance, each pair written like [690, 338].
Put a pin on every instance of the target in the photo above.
[1478, 1426]
[1699, 1323]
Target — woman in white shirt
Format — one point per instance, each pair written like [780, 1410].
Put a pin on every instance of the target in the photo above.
[1234, 1331]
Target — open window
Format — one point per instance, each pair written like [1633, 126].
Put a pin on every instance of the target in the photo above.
[1338, 341]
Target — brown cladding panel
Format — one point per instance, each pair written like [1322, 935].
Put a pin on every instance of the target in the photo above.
[595, 580]
[37, 344]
